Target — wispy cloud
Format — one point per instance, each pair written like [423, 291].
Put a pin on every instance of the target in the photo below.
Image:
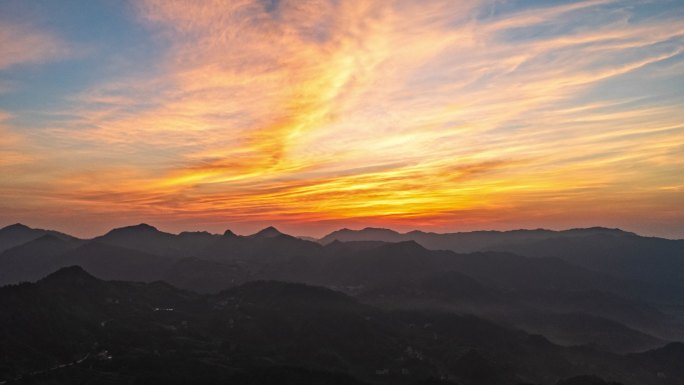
[10, 142]
[22, 44]
[434, 113]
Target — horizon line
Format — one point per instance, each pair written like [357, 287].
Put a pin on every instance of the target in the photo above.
[355, 229]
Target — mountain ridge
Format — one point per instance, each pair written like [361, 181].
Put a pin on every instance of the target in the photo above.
[500, 285]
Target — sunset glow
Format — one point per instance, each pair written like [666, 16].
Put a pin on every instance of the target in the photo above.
[316, 115]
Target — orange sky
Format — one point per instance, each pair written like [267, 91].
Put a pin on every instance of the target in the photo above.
[315, 115]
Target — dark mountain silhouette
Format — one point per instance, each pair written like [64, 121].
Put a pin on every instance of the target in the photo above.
[153, 333]
[70, 277]
[269, 232]
[570, 329]
[33, 259]
[205, 276]
[396, 262]
[367, 234]
[565, 322]
[115, 263]
[146, 238]
[306, 238]
[260, 250]
[612, 251]
[566, 300]
[189, 242]
[345, 247]
[463, 242]
[18, 234]
[636, 315]
[626, 255]
[450, 285]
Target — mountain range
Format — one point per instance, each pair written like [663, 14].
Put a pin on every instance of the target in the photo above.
[524, 306]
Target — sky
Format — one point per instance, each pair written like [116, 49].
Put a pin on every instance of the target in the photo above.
[313, 115]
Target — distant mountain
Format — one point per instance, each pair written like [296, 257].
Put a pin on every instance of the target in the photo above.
[195, 260]
[116, 332]
[463, 242]
[443, 291]
[611, 251]
[261, 250]
[269, 232]
[33, 259]
[272, 254]
[634, 314]
[569, 303]
[189, 242]
[570, 329]
[306, 238]
[116, 263]
[507, 288]
[399, 262]
[18, 234]
[644, 258]
[367, 234]
[205, 276]
[568, 321]
[146, 238]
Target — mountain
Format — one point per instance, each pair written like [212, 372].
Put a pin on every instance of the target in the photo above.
[463, 242]
[571, 305]
[271, 254]
[115, 263]
[568, 303]
[565, 322]
[149, 239]
[34, 259]
[645, 258]
[611, 251]
[143, 253]
[205, 276]
[261, 250]
[307, 238]
[272, 332]
[398, 262]
[189, 242]
[450, 285]
[634, 314]
[18, 234]
[268, 232]
[60, 318]
[367, 234]
[569, 329]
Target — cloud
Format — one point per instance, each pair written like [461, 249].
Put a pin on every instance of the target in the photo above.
[422, 112]
[11, 144]
[22, 44]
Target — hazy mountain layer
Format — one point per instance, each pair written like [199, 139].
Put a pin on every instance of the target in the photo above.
[153, 333]
[560, 297]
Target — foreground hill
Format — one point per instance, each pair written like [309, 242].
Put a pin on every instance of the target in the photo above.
[273, 332]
